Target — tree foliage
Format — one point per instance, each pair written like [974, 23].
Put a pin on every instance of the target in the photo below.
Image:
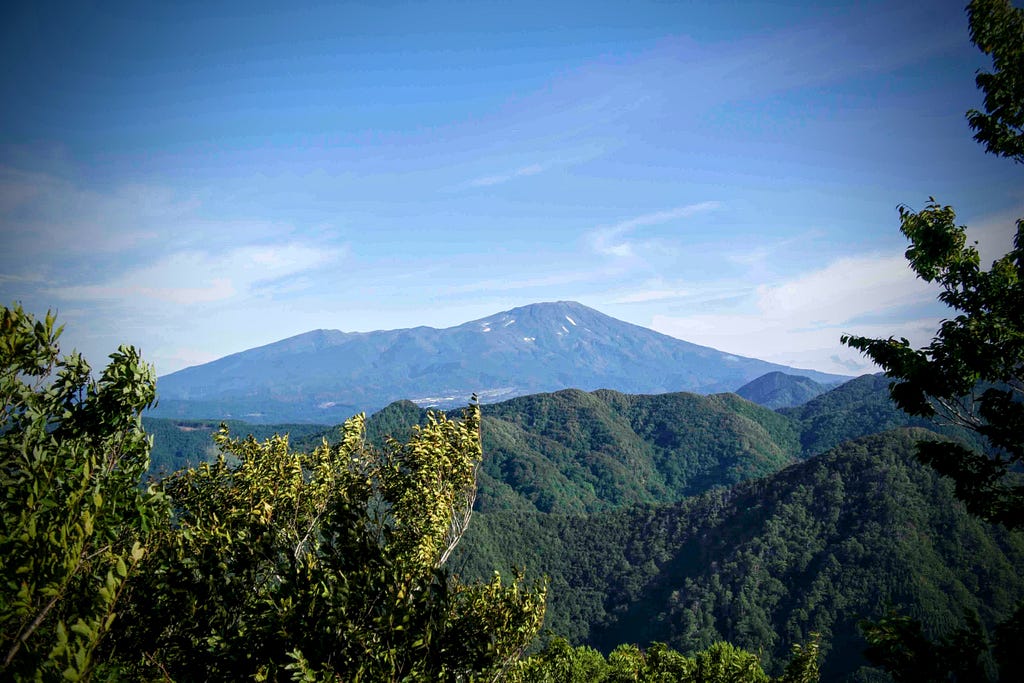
[75, 523]
[968, 653]
[327, 565]
[972, 373]
[267, 564]
[559, 662]
[767, 562]
[997, 28]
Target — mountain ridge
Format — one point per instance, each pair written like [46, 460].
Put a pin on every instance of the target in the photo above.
[327, 375]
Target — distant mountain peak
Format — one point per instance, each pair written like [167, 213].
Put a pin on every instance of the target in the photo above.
[327, 375]
[781, 390]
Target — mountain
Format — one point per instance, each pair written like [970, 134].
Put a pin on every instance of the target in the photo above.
[686, 519]
[813, 548]
[575, 452]
[858, 408]
[779, 390]
[565, 452]
[325, 376]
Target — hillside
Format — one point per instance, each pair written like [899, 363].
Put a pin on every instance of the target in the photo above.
[186, 443]
[325, 376]
[570, 451]
[814, 547]
[779, 390]
[577, 452]
[620, 499]
[573, 451]
[857, 408]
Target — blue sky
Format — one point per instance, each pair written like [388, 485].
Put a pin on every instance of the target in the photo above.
[198, 178]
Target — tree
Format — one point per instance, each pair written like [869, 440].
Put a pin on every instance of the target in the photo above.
[75, 523]
[267, 564]
[998, 29]
[559, 662]
[972, 373]
[326, 566]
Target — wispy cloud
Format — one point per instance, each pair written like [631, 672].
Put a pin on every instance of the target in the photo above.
[195, 277]
[612, 240]
[488, 181]
[648, 295]
[994, 233]
[541, 281]
[844, 290]
[40, 210]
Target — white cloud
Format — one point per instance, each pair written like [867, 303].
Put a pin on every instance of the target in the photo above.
[799, 322]
[611, 241]
[644, 296]
[994, 234]
[845, 289]
[487, 181]
[543, 281]
[191, 277]
[39, 210]
[182, 357]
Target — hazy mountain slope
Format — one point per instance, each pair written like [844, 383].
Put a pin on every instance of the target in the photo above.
[812, 548]
[326, 376]
[186, 443]
[779, 390]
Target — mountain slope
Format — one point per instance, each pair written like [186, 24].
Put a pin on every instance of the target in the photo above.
[577, 452]
[857, 408]
[573, 451]
[815, 547]
[779, 390]
[325, 376]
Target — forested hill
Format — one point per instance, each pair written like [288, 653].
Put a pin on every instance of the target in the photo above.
[779, 390]
[814, 547]
[596, 490]
[575, 452]
[857, 408]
